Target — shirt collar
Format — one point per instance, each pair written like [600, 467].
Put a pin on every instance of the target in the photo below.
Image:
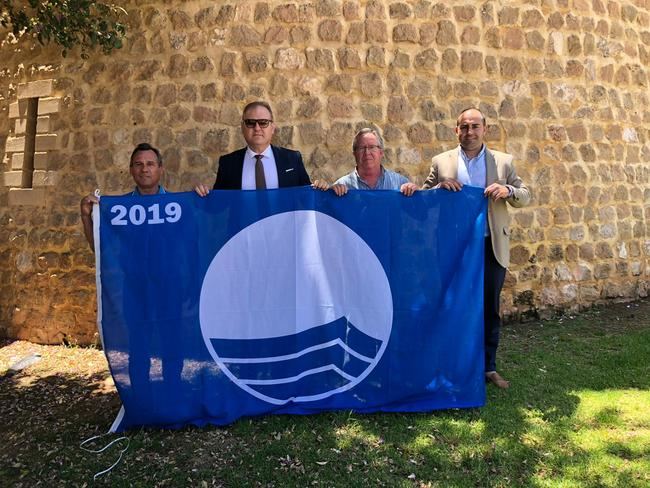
[380, 180]
[136, 191]
[268, 152]
[467, 158]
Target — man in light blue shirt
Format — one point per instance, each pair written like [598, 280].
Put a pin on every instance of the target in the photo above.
[369, 174]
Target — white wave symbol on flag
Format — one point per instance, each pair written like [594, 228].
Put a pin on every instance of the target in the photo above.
[296, 307]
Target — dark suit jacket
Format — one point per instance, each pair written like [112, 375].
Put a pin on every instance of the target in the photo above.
[291, 170]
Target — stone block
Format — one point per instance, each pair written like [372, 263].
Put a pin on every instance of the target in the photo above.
[330, 30]
[376, 32]
[471, 61]
[419, 87]
[165, 95]
[49, 106]
[376, 57]
[227, 66]
[351, 10]
[45, 178]
[205, 114]
[262, 12]
[311, 133]
[446, 34]
[42, 125]
[178, 66]
[445, 133]
[372, 112]
[532, 18]
[12, 178]
[18, 109]
[286, 13]
[419, 133]
[535, 41]
[215, 141]
[40, 160]
[426, 60]
[289, 59]
[375, 10]
[408, 156]
[405, 33]
[17, 161]
[27, 196]
[399, 109]
[33, 89]
[340, 107]
[177, 40]
[328, 8]
[244, 35]
[399, 10]
[15, 144]
[370, 85]
[471, 35]
[320, 59]
[513, 38]
[427, 33]
[256, 62]
[355, 33]
[464, 13]
[348, 58]
[180, 20]
[510, 67]
[188, 93]
[45, 142]
[449, 60]
[300, 34]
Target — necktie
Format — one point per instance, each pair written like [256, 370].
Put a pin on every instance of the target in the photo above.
[260, 179]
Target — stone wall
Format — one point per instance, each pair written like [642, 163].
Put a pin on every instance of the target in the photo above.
[564, 84]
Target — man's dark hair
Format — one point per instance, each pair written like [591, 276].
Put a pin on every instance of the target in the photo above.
[470, 108]
[258, 103]
[145, 146]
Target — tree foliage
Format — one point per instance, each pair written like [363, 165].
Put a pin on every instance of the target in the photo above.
[68, 23]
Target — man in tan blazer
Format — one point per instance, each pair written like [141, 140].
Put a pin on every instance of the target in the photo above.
[472, 163]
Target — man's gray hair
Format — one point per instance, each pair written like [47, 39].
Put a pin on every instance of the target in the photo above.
[368, 130]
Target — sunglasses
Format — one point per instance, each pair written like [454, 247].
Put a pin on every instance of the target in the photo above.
[263, 123]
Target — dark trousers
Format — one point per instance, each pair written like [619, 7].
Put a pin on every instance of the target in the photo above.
[492, 284]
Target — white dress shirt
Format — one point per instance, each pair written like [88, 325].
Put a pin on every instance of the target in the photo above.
[270, 169]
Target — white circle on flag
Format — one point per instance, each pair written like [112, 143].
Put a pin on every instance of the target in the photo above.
[296, 307]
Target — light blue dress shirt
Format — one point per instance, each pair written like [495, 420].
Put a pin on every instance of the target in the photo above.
[389, 180]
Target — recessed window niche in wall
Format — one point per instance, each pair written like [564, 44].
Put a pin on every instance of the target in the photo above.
[29, 143]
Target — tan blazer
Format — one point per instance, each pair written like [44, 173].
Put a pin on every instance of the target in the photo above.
[500, 170]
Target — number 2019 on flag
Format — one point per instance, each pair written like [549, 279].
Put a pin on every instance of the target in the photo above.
[138, 214]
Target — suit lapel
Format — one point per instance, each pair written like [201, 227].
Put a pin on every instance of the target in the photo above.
[238, 168]
[490, 168]
[453, 161]
[280, 166]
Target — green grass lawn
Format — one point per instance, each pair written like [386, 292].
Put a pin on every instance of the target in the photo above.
[577, 414]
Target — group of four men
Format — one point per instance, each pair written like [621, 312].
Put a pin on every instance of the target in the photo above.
[261, 165]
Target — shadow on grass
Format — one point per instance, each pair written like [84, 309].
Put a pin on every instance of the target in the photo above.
[526, 435]
[44, 419]
[532, 434]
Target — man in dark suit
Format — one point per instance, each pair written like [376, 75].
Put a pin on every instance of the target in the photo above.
[259, 165]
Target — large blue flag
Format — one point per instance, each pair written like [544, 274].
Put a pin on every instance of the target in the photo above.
[291, 301]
